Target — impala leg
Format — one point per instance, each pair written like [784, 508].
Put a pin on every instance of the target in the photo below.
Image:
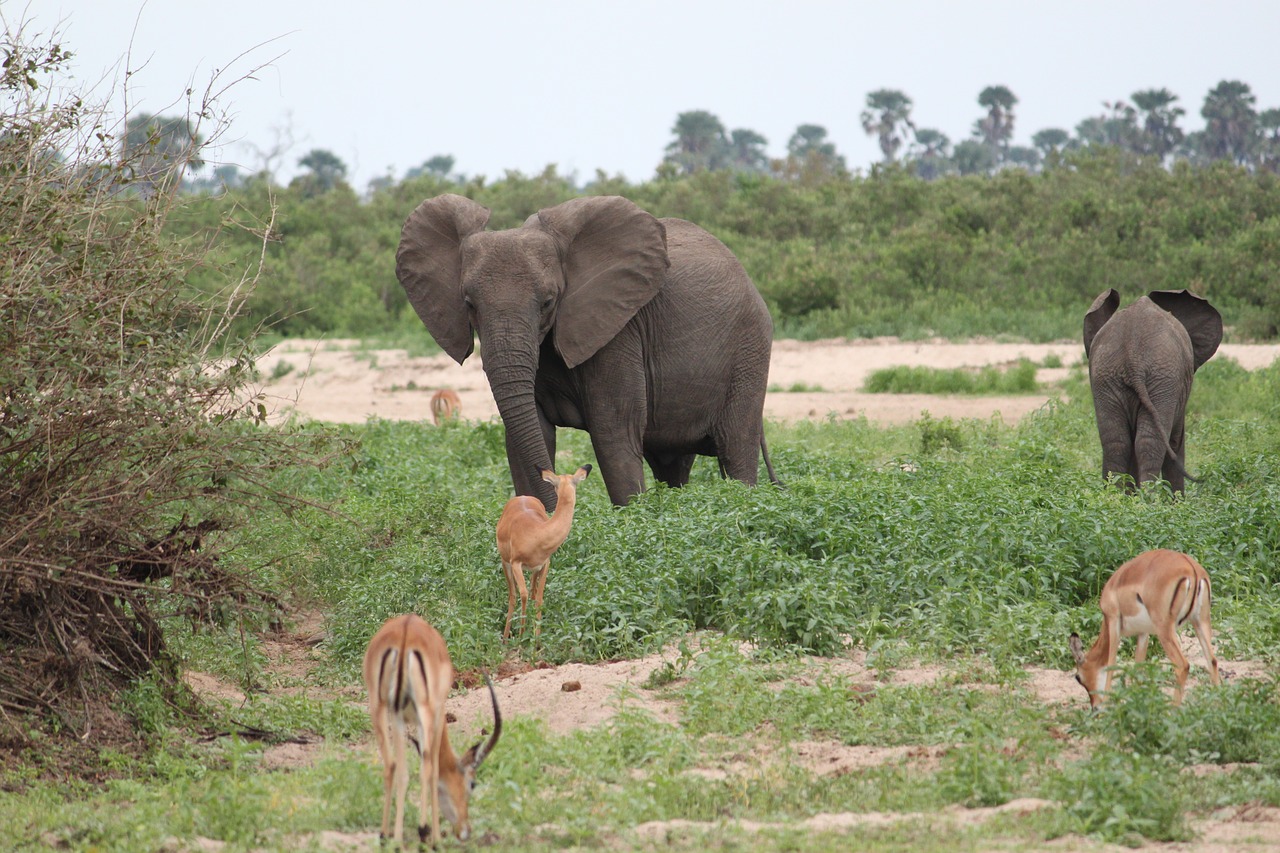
[388, 769]
[511, 597]
[1205, 635]
[1140, 653]
[1168, 637]
[517, 575]
[1112, 627]
[539, 584]
[401, 775]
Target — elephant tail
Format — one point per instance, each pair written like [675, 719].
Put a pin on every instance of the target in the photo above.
[1141, 388]
[768, 463]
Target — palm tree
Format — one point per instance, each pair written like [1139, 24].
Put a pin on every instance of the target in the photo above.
[325, 170]
[1230, 122]
[746, 150]
[1050, 141]
[700, 142]
[973, 157]
[1160, 134]
[888, 117]
[1269, 140]
[158, 149]
[995, 129]
[929, 153]
[808, 148]
[1116, 127]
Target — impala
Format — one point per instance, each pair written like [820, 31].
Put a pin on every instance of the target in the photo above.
[1154, 593]
[445, 405]
[527, 537]
[408, 673]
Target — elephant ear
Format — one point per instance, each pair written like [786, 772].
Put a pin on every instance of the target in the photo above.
[1098, 315]
[1201, 320]
[615, 260]
[429, 266]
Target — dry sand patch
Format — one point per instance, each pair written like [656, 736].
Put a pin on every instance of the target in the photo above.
[335, 381]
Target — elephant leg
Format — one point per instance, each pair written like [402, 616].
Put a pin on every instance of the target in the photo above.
[738, 431]
[615, 409]
[1149, 449]
[1117, 441]
[1175, 465]
[671, 469]
[621, 465]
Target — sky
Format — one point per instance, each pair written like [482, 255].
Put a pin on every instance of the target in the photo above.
[502, 85]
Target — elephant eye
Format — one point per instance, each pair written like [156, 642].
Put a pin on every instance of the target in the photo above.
[546, 303]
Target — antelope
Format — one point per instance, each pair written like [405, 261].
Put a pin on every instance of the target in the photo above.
[445, 405]
[408, 673]
[527, 537]
[1154, 593]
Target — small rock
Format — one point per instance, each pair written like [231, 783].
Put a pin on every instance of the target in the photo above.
[571, 686]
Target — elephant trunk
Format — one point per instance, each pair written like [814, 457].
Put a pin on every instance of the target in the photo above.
[511, 379]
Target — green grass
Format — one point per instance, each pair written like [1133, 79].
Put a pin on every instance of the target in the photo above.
[1019, 378]
[975, 544]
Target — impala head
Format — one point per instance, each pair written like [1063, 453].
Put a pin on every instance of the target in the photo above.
[455, 792]
[559, 481]
[1088, 672]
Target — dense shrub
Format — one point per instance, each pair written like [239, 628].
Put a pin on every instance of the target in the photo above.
[887, 254]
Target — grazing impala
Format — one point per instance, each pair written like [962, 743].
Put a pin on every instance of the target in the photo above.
[1154, 593]
[408, 672]
[527, 538]
[445, 405]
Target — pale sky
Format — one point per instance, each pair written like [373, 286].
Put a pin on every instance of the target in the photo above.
[584, 85]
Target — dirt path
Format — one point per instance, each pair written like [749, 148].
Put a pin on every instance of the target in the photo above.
[336, 381]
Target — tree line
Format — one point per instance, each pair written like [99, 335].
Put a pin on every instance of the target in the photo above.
[1012, 253]
[1147, 124]
[981, 238]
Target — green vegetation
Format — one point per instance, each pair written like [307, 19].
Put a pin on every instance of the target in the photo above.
[1019, 378]
[1014, 254]
[976, 545]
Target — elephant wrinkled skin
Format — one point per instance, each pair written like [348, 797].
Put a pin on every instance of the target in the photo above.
[596, 315]
[1141, 363]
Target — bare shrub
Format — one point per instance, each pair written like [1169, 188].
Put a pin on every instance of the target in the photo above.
[129, 442]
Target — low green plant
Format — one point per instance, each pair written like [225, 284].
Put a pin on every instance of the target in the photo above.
[1121, 797]
[1019, 378]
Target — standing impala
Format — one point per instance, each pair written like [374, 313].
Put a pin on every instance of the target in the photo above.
[1154, 593]
[445, 405]
[408, 672]
[527, 537]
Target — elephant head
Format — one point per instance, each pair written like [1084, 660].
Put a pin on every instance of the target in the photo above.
[578, 271]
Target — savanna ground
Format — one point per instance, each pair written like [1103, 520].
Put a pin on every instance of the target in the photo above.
[873, 658]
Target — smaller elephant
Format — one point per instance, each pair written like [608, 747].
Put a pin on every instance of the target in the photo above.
[1141, 363]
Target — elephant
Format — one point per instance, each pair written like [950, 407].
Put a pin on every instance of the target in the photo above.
[1141, 363]
[596, 315]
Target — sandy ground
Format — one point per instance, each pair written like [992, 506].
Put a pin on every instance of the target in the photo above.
[336, 381]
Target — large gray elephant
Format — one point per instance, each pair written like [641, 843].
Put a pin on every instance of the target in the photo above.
[647, 333]
[1141, 363]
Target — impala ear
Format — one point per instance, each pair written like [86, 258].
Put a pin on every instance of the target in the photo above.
[615, 260]
[1098, 315]
[429, 266]
[581, 474]
[1077, 649]
[549, 475]
[1201, 320]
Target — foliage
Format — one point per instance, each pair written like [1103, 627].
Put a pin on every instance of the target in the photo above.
[884, 254]
[1017, 379]
[127, 438]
